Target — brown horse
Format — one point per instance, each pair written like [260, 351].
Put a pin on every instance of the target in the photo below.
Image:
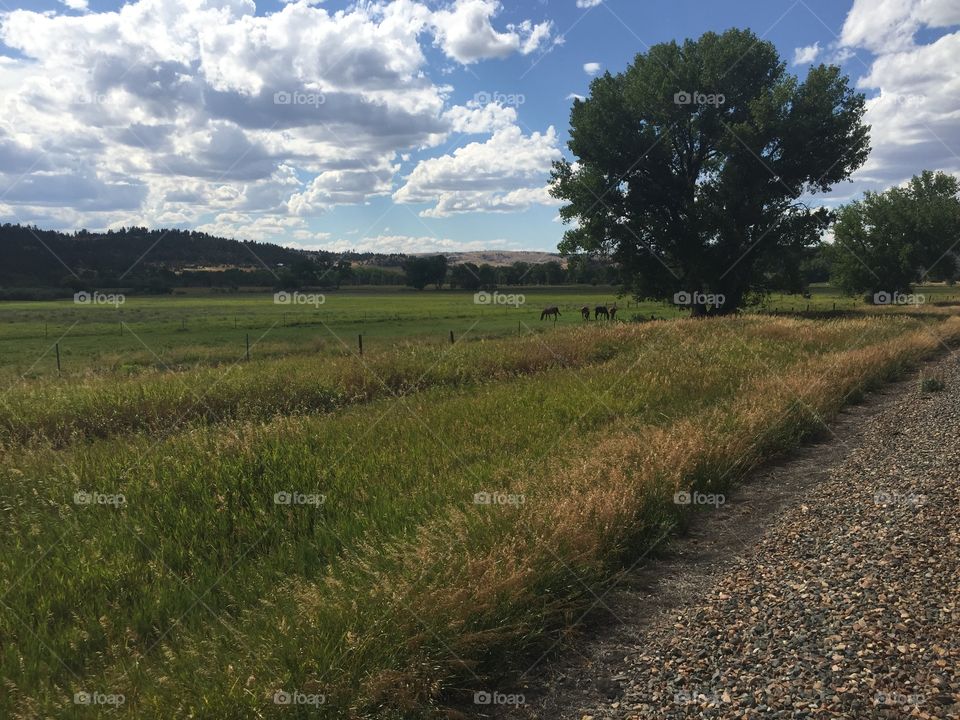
[613, 311]
[552, 311]
[601, 310]
[585, 311]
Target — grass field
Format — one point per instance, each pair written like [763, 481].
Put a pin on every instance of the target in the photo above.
[202, 328]
[380, 536]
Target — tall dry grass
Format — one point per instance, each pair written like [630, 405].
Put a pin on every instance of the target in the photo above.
[403, 596]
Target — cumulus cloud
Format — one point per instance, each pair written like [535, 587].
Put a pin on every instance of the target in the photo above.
[474, 118]
[241, 226]
[78, 5]
[459, 201]
[915, 88]
[347, 186]
[883, 26]
[413, 244]
[506, 173]
[466, 34]
[165, 109]
[591, 68]
[806, 55]
[588, 3]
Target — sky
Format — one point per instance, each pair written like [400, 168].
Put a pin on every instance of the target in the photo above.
[397, 125]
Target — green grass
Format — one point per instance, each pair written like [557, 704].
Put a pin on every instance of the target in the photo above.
[183, 331]
[186, 330]
[200, 596]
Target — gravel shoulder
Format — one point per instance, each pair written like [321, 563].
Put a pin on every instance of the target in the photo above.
[827, 586]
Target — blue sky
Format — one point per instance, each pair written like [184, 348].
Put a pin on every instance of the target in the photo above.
[418, 126]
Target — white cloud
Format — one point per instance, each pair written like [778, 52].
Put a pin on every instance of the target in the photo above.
[588, 3]
[347, 186]
[916, 104]
[474, 118]
[574, 96]
[164, 109]
[466, 34]
[591, 68]
[506, 173]
[806, 55]
[457, 201]
[241, 226]
[413, 244]
[884, 26]
[79, 5]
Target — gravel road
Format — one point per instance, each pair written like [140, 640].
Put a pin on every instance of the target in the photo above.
[827, 587]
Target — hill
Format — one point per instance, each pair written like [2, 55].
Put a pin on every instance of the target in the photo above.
[141, 258]
[31, 257]
[503, 258]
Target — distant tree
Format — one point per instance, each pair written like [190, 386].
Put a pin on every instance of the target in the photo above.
[691, 165]
[422, 271]
[553, 273]
[488, 276]
[466, 276]
[888, 241]
[520, 272]
[438, 270]
[303, 272]
[815, 265]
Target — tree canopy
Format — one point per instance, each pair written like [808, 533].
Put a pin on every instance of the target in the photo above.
[888, 241]
[423, 271]
[692, 163]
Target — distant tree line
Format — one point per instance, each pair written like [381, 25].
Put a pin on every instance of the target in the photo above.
[421, 272]
[49, 263]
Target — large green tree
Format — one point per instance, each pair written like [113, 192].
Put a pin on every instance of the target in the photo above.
[691, 167]
[888, 241]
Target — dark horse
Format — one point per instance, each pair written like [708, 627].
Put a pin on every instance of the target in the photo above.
[601, 310]
[553, 311]
[613, 311]
[585, 311]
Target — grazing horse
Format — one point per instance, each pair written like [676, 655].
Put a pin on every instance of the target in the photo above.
[613, 311]
[601, 310]
[553, 311]
[585, 311]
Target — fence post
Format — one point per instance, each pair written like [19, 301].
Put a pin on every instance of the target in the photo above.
[360, 343]
[451, 337]
[58, 359]
[248, 346]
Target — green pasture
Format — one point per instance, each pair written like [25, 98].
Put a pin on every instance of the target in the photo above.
[187, 329]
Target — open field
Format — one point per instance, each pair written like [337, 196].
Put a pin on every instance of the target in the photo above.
[386, 534]
[185, 330]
